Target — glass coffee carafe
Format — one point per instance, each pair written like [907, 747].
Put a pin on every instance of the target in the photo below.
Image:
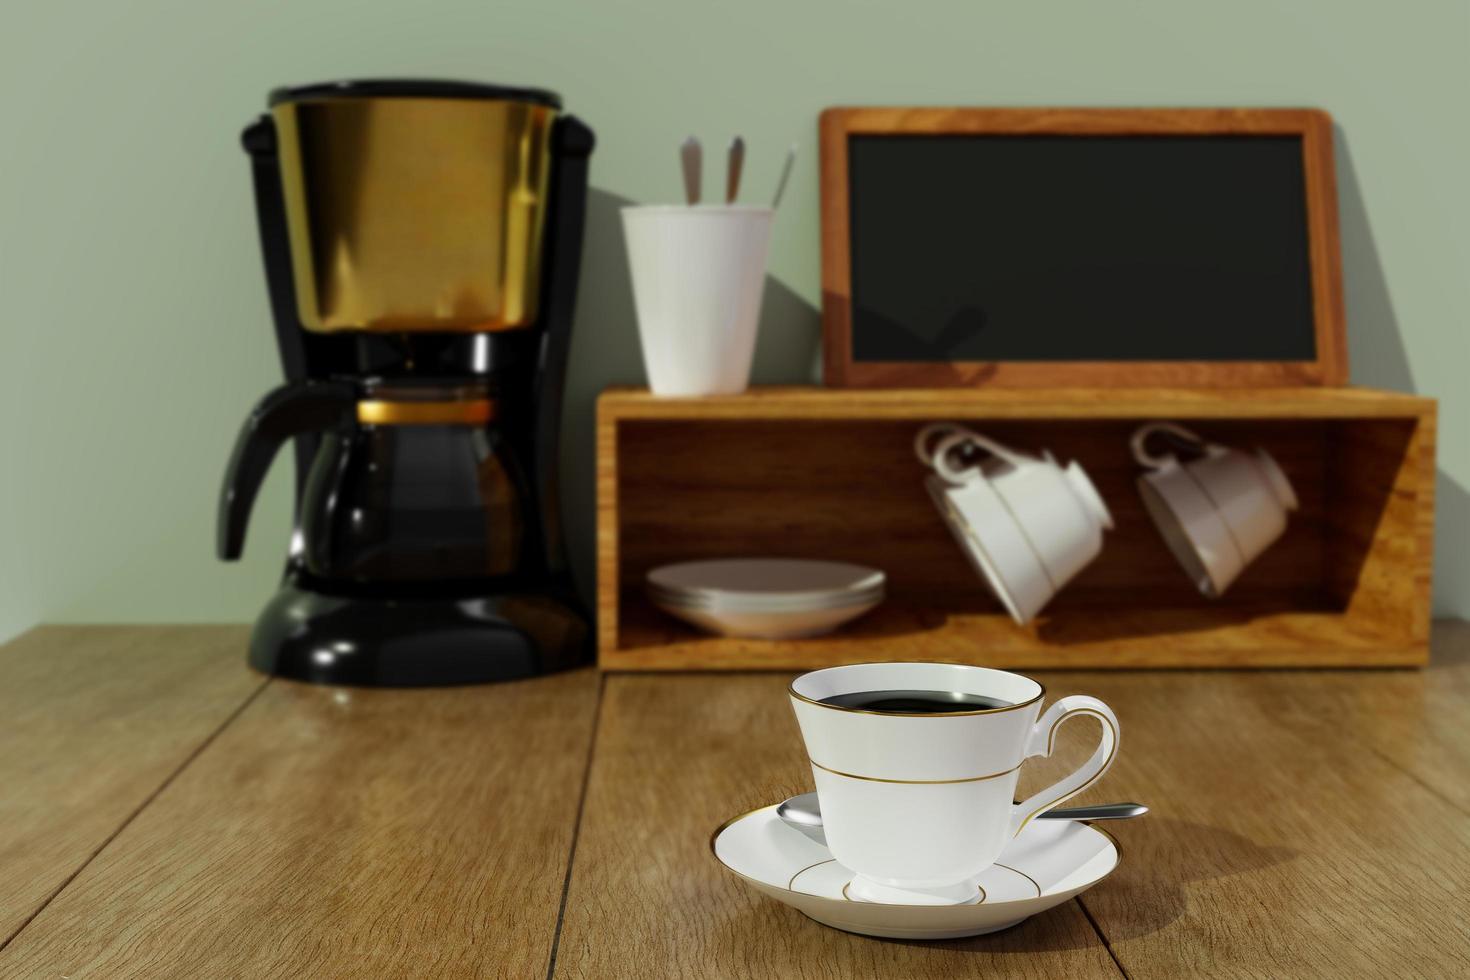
[409, 485]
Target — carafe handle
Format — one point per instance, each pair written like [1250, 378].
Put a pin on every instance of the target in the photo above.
[290, 410]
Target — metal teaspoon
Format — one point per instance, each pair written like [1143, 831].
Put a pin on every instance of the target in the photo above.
[803, 813]
[785, 176]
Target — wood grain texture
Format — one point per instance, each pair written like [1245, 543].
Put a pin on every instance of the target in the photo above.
[1330, 367]
[647, 899]
[1284, 840]
[1109, 639]
[92, 722]
[1426, 733]
[1381, 522]
[619, 404]
[342, 833]
[812, 473]
[1304, 824]
[609, 558]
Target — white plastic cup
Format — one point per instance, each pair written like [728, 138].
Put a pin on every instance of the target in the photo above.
[698, 275]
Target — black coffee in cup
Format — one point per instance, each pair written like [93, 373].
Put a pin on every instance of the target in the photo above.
[915, 702]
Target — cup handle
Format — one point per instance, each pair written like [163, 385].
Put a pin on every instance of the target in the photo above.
[937, 430]
[962, 436]
[1043, 739]
[1139, 443]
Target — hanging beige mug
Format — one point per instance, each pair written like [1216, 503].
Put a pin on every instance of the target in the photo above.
[1218, 511]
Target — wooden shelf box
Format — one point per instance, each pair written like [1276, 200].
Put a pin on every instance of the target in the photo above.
[823, 473]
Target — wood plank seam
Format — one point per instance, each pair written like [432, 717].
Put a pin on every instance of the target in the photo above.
[133, 815]
[1434, 790]
[384, 833]
[1101, 935]
[566, 884]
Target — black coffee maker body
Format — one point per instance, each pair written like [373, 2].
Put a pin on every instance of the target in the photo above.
[421, 244]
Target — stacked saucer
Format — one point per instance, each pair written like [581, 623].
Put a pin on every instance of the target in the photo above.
[766, 598]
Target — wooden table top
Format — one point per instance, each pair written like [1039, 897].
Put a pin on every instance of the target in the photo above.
[164, 812]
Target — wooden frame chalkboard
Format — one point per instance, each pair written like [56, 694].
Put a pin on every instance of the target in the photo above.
[1328, 363]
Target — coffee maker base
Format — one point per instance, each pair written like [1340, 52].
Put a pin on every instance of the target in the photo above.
[375, 642]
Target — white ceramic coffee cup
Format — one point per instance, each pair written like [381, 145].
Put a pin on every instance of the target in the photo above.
[917, 806]
[699, 273]
[1217, 512]
[1027, 524]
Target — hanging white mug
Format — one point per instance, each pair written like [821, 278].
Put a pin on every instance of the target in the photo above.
[1216, 512]
[1027, 524]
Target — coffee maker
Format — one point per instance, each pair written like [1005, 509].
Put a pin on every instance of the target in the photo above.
[421, 243]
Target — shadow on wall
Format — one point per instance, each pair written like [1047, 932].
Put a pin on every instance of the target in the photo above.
[1452, 527]
[1379, 357]
[1376, 350]
[605, 352]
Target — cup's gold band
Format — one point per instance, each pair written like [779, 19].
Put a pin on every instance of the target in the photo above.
[916, 782]
[452, 412]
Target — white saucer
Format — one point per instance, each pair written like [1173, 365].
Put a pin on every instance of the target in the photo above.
[766, 598]
[765, 584]
[1048, 863]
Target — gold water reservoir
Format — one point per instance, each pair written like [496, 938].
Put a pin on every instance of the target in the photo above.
[415, 206]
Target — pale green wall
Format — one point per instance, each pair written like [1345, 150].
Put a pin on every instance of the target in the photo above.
[133, 315]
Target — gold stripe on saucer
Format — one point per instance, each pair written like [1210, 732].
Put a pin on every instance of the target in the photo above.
[791, 882]
[918, 782]
[1034, 883]
[1117, 846]
[887, 905]
[728, 823]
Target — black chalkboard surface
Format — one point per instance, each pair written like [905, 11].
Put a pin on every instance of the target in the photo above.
[1018, 247]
